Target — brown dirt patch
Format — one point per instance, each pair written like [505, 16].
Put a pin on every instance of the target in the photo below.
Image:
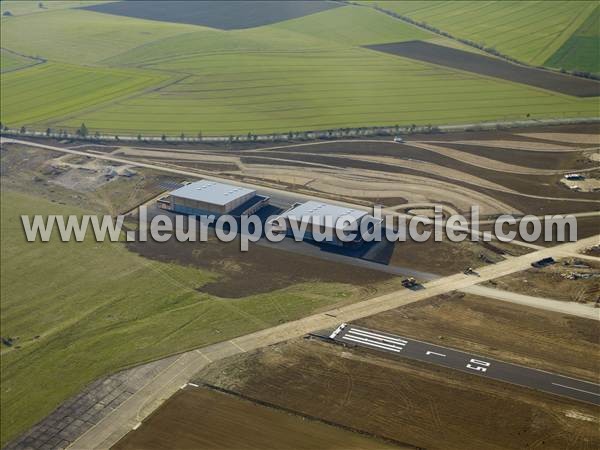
[196, 418]
[259, 270]
[423, 405]
[492, 67]
[551, 282]
[572, 138]
[231, 15]
[44, 173]
[444, 258]
[539, 160]
[586, 227]
[331, 154]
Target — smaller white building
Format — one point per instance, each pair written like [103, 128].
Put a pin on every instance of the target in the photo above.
[323, 216]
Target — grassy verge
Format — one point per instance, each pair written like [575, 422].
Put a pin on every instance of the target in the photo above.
[77, 311]
[580, 51]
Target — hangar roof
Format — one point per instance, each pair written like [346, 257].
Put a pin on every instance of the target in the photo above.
[317, 212]
[211, 192]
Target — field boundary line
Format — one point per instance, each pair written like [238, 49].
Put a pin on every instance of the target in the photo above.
[571, 28]
[323, 135]
[150, 83]
[275, 407]
[470, 43]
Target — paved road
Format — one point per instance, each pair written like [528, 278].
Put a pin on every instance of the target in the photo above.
[153, 394]
[587, 311]
[392, 344]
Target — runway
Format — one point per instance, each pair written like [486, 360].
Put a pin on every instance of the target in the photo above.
[552, 383]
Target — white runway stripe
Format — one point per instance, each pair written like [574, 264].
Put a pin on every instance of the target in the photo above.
[365, 341]
[575, 389]
[377, 336]
[337, 331]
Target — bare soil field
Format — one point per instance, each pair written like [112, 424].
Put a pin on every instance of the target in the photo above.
[446, 258]
[590, 139]
[454, 169]
[526, 192]
[568, 280]
[586, 227]
[265, 268]
[262, 269]
[203, 418]
[593, 251]
[227, 15]
[540, 160]
[423, 405]
[582, 132]
[79, 181]
[493, 67]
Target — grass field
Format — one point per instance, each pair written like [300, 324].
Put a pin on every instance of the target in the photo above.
[82, 310]
[530, 31]
[26, 7]
[10, 62]
[304, 73]
[243, 92]
[38, 95]
[82, 37]
[581, 50]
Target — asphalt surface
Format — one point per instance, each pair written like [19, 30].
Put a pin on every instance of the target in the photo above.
[353, 335]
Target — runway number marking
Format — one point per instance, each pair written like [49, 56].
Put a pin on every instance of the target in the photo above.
[480, 366]
[435, 353]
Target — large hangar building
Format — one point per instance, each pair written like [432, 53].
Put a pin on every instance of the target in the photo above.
[209, 197]
[315, 213]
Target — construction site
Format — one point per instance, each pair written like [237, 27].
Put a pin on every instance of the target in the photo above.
[489, 298]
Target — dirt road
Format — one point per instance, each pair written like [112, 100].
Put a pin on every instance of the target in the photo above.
[587, 311]
[153, 394]
[197, 173]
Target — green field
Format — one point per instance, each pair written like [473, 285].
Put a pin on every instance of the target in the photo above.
[581, 50]
[95, 308]
[81, 37]
[27, 7]
[38, 95]
[241, 92]
[530, 31]
[124, 75]
[10, 62]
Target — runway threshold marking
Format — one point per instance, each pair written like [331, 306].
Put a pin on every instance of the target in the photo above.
[375, 340]
[476, 364]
